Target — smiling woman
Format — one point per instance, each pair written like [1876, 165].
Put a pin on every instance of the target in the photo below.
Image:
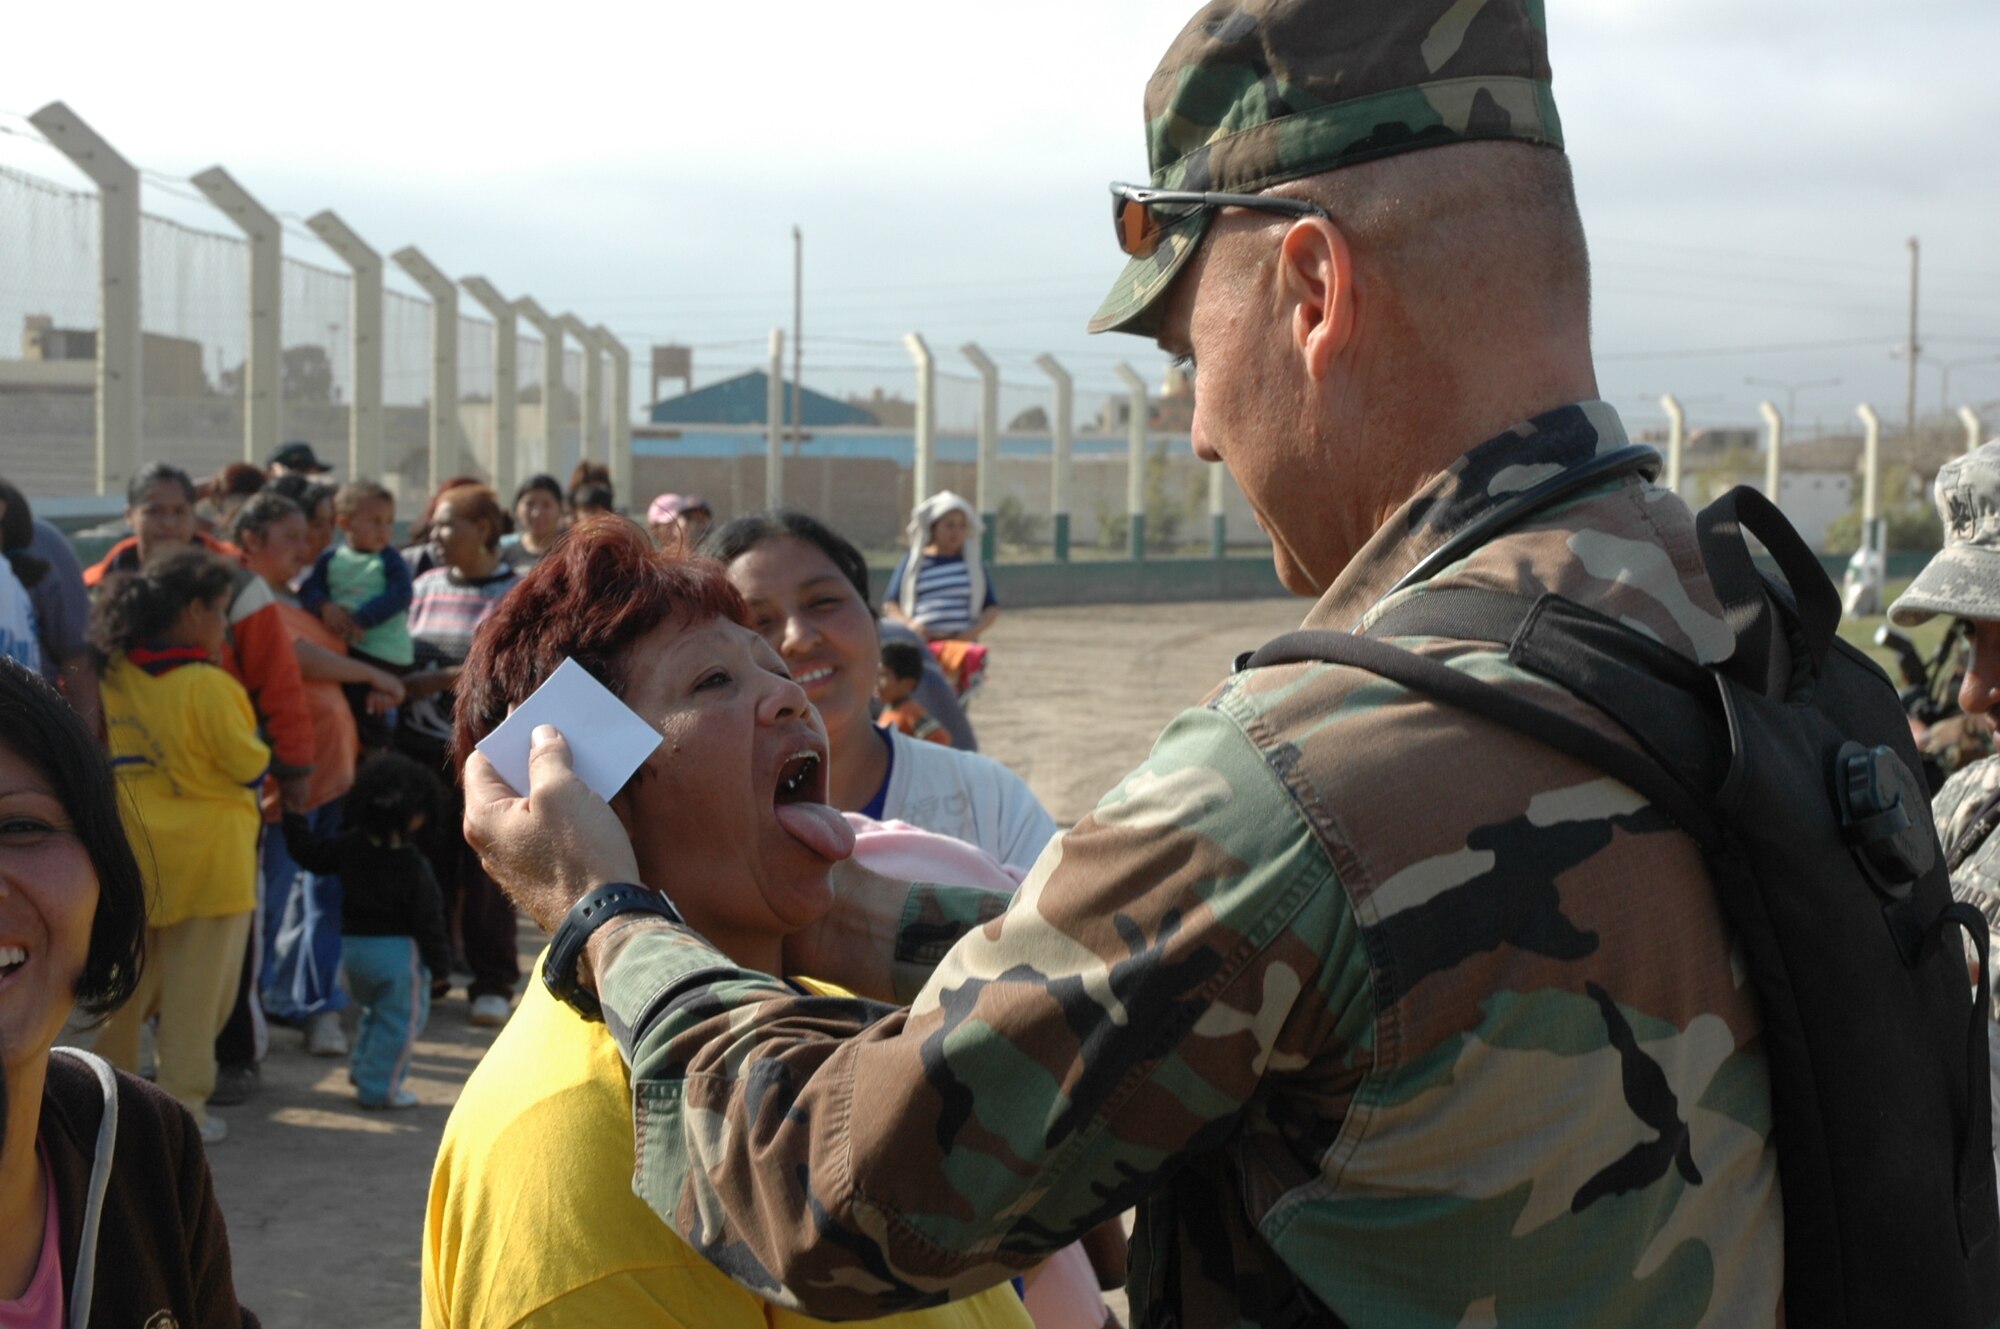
[532, 1218]
[99, 1171]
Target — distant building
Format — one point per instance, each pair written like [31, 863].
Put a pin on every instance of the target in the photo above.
[57, 359]
[741, 401]
[888, 410]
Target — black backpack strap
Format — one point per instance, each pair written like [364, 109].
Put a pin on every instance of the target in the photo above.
[1657, 695]
[1746, 602]
[1455, 688]
[1975, 1140]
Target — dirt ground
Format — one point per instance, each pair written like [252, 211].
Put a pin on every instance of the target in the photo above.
[325, 1202]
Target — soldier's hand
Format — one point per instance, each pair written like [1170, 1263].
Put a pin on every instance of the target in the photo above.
[553, 847]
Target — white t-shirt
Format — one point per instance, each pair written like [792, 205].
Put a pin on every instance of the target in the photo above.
[968, 797]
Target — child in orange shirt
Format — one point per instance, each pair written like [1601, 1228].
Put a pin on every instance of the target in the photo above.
[902, 669]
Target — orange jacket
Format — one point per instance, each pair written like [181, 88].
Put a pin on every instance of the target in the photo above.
[258, 654]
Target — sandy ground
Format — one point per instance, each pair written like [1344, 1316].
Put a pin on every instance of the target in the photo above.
[325, 1202]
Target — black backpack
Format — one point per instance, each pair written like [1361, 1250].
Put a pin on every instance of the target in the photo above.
[1792, 766]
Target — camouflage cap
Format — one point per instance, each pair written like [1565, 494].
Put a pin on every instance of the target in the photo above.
[1255, 92]
[1963, 579]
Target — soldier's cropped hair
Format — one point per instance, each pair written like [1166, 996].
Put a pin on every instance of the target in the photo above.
[1449, 214]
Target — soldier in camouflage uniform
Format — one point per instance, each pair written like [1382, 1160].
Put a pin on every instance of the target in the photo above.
[1963, 580]
[1379, 1014]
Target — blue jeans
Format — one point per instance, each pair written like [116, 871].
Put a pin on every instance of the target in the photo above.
[393, 988]
[301, 928]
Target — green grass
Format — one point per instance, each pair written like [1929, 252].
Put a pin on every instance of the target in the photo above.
[1860, 631]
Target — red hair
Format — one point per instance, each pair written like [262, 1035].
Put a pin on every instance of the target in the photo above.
[599, 589]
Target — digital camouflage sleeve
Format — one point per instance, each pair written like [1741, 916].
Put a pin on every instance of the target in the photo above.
[1378, 1014]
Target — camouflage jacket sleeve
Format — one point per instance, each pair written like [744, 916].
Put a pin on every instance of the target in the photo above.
[1184, 942]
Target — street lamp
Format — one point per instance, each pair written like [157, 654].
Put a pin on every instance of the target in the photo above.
[1946, 366]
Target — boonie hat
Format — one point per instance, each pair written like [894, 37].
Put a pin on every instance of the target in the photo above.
[298, 457]
[1963, 578]
[1257, 92]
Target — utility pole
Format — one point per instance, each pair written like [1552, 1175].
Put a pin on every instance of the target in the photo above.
[798, 339]
[1912, 349]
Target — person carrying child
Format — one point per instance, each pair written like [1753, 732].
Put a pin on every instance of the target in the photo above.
[941, 588]
[360, 589]
[392, 936]
[184, 746]
[895, 687]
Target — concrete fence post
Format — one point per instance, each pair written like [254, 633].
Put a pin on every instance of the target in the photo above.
[774, 420]
[1774, 426]
[987, 475]
[550, 457]
[364, 408]
[1867, 571]
[263, 396]
[1970, 419]
[121, 389]
[1062, 436]
[503, 458]
[593, 389]
[618, 407]
[1218, 513]
[924, 467]
[1135, 463]
[1871, 465]
[1676, 438]
[444, 430]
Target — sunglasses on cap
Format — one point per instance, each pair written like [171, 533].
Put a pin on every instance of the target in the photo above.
[1141, 215]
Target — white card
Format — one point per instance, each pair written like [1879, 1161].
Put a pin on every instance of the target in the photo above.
[607, 739]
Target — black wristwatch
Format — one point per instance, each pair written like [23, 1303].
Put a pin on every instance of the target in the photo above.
[587, 915]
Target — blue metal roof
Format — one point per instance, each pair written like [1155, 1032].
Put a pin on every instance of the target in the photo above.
[740, 401]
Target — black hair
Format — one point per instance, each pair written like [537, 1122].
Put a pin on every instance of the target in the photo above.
[303, 490]
[152, 473]
[17, 532]
[904, 659]
[739, 536]
[543, 481]
[591, 495]
[261, 511]
[141, 606]
[389, 790]
[38, 726]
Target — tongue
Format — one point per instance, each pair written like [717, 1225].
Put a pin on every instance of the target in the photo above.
[818, 827]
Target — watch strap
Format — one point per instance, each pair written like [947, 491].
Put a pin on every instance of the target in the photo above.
[585, 917]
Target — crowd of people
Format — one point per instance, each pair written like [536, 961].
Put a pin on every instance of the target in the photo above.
[1375, 1009]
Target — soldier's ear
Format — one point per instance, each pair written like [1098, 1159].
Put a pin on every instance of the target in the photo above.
[1316, 271]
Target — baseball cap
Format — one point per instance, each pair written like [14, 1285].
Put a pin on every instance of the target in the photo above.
[1963, 578]
[298, 457]
[1256, 92]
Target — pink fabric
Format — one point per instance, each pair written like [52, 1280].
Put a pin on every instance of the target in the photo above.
[42, 1306]
[906, 853]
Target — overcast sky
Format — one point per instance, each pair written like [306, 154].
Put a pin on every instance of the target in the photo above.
[1749, 173]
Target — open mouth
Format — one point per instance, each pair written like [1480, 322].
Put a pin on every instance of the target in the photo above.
[802, 778]
[800, 805]
[11, 959]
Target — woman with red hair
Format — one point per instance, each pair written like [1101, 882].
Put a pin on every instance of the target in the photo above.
[532, 1218]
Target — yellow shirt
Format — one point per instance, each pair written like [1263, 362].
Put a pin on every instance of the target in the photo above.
[533, 1221]
[185, 749]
